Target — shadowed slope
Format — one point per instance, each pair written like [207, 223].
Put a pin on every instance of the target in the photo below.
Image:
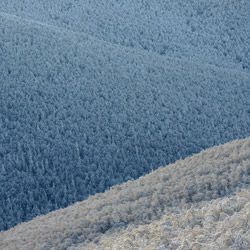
[78, 115]
[210, 174]
[211, 31]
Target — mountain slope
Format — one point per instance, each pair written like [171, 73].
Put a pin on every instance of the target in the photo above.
[213, 173]
[214, 32]
[219, 224]
[78, 115]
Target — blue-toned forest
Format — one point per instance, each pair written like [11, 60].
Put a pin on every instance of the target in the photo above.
[90, 97]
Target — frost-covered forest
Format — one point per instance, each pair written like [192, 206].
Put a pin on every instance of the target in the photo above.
[93, 94]
[191, 204]
[203, 31]
[220, 224]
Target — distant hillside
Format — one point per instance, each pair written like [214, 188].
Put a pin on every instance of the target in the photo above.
[202, 31]
[168, 191]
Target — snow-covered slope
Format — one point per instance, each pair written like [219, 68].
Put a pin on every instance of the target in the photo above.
[213, 173]
[78, 115]
[208, 31]
[218, 224]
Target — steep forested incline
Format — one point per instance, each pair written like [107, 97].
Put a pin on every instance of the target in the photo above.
[213, 173]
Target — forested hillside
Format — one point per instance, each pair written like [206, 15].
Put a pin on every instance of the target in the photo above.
[218, 224]
[94, 94]
[179, 195]
[204, 31]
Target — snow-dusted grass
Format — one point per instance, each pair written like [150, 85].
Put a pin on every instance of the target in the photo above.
[93, 94]
[168, 191]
